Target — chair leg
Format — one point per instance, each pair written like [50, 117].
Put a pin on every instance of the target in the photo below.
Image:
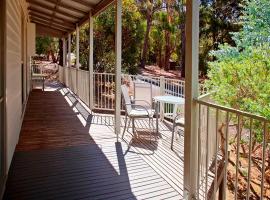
[133, 126]
[172, 135]
[151, 123]
[124, 127]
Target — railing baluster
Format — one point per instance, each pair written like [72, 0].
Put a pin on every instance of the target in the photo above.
[237, 157]
[199, 152]
[263, 157]
[226, 156]
[216, 154]
[101, 90]
[206, 147]
[249, 157]
[106, 90]
[98, 87]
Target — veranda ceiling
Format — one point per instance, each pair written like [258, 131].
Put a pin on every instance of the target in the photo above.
[58, 17]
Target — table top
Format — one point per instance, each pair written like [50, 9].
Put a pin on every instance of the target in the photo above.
[169, 99]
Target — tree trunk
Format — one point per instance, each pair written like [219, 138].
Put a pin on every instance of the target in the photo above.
[146, 39]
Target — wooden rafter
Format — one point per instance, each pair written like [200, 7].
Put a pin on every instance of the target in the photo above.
[63, 5]
[53, 16]
[54, 23]
[34, 10]
[56, 26]
[41, 23]
[84, 3]
[46, 7]
[55, 9]
[36, 14]
[45, 30]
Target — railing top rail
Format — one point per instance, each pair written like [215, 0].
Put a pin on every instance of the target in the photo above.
[101, 73]
[232, 110]
[83, 70]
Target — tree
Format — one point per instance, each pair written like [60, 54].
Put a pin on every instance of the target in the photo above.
[148, 9]
[47, 46]
[218, 19]
[240, 75]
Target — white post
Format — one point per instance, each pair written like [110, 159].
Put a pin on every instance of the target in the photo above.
[69, 59]
[64, 59]
[77, 56]
[91, 62]
[64, 52]
[118, 50]
[162, 92]
[191, 92]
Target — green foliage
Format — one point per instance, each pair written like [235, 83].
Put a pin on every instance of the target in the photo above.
[242, 81]
[104, 38]
[240, 75]
[218, 19]
[256, 20]
[46, 44]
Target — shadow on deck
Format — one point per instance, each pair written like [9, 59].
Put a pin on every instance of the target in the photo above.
[64, 152]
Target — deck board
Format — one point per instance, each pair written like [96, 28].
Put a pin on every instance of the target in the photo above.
[67, 152]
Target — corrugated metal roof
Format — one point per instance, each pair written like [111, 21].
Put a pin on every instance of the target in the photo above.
[61, 16]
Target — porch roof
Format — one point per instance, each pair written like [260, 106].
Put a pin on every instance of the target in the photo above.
[58, 17]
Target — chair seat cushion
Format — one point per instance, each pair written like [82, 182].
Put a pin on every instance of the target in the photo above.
[180, 121]
[140, 112]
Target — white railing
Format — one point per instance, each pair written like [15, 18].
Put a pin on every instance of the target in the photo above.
[232, 154]
[83, 86]
[104, 86]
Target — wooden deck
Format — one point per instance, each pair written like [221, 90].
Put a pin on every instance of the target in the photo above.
[67, 152]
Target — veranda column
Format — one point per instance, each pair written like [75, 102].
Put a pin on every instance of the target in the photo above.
[77, 56]
[91, 63]
[191, 93]
[118, 50]
[64, 59]
[69, 59]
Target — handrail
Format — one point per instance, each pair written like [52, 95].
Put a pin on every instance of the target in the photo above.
[233, 110]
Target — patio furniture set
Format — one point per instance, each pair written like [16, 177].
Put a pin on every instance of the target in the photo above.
[143, 105]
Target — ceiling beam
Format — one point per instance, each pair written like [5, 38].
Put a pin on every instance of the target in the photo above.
[57, 20]
[54, 23]
[46, 7]
[63, 5]
[57, 26]
[84, 3]
[48, 31]
[55, 9]
[38, 22]
[34, 10]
